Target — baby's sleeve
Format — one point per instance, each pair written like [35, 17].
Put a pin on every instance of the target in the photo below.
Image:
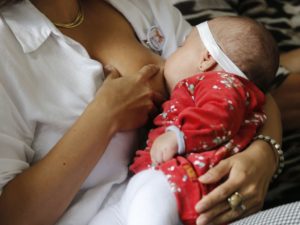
[216, 116]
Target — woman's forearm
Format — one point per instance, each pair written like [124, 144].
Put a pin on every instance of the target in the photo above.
[41, 194]
[287, 96]
[272, 126]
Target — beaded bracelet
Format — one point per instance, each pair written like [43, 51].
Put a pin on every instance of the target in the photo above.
[277, 150]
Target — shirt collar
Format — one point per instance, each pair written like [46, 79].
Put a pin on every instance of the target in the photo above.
[30, 27]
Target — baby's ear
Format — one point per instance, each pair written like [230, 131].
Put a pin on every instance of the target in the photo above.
[206, 62]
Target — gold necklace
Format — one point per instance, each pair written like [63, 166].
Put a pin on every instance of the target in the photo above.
[76, 22]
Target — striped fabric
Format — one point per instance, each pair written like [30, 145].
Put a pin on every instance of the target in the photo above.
[281, 17]
[288, 214]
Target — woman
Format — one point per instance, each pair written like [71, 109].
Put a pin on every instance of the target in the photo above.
[60, 140]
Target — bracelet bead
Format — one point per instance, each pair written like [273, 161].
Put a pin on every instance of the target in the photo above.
[277, 150]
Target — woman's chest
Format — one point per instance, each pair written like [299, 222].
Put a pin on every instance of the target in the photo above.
[110, 39]
[123, 51]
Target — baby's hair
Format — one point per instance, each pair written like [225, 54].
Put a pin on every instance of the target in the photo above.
[249, 45]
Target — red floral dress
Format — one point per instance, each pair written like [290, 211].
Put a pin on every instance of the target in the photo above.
[219, 114]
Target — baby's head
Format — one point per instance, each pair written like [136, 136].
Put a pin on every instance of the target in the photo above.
[247, 45]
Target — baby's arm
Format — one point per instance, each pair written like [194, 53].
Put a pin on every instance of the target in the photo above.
[217, 116]
[218, 113]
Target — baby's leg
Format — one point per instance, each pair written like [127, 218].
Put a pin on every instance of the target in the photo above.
[148, 200]
[110, 215]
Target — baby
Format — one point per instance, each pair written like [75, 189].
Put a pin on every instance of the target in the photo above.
[216, 80]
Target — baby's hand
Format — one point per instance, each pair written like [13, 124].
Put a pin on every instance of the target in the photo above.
[164, 147]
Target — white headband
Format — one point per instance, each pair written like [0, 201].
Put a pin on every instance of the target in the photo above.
[216, 52]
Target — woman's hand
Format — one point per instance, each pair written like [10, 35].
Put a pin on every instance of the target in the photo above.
[130, 99]
[248, 173]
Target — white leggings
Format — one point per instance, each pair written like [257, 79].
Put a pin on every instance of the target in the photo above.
[148, 200]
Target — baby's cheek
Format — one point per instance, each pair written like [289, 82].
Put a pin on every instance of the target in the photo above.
[158, 84]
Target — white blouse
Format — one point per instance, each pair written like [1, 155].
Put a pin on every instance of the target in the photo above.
[46, 81]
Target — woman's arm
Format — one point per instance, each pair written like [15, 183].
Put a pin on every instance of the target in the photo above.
[248, 172]
[42, 193]
[287, 95]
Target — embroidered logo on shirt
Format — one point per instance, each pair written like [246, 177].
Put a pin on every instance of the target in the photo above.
[155, 39]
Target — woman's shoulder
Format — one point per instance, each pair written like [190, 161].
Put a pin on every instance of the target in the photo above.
[147, 9]
[156, 23]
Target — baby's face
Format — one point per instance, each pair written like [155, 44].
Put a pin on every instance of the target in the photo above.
[184, 61]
